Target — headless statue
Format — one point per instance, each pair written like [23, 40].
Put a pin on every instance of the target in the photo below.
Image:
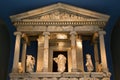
[30, 62]
[61, 61]
[89, 64]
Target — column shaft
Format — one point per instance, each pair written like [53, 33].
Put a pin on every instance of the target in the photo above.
[80, 54]
[16, 52]
[73, 51]
[102, 51]
[40, 55]
[96, 55]
[23, 60]
[46, 51]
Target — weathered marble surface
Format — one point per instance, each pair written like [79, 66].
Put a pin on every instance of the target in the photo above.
[60, 76]
[30, 62]
[61, 61]
[89, 63]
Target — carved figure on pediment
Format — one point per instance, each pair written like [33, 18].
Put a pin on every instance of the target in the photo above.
[20, 68]
[45, 17]
[56, 15]
[89, 64]
[61, 61]
[60, 15]
[30, 62]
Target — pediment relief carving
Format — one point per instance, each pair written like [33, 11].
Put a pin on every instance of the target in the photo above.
[59, 11]
[59, 15]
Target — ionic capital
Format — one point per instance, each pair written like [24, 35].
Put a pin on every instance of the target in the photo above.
[17, 33]
[101, 32]
[46, 33]
[40, 39]
[25, 37]
[73, 33]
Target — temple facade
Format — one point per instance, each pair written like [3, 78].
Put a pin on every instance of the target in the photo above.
[59, 29]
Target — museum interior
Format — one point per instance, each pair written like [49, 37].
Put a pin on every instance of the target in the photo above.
[59, 40]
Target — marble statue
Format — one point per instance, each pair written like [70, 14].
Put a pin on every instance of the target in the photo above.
[61, 61]
[20, 68]
[89, 64]
[30, 62]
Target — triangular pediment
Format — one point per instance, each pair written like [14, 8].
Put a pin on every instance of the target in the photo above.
[60, 12]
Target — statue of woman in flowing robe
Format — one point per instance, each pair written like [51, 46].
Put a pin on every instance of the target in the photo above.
[89, 64]
[30, 62]
[61, 61]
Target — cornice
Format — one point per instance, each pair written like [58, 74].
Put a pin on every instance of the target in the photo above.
[60, 23]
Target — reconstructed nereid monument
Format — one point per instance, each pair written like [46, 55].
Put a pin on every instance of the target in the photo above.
[60, 28]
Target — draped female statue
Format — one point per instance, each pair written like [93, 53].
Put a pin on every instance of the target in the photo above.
[61, 61]
[89, 64]
[30, 62]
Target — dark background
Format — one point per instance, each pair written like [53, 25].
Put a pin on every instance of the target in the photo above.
[12, 7]
[4, 50]
[115, 49]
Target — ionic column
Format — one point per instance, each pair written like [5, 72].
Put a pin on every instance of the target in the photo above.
[73, 51]
[46, 51]
[80, 54]
[40, 54]
[103, 51]
[16, 52]
[24, 48]
[96, 55]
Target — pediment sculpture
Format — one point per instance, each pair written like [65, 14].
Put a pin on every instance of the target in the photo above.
[59, 15]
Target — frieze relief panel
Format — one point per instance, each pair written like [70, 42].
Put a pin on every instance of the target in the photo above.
[58, 28]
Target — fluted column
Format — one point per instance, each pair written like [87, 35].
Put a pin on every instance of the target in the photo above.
[73, 51]
[16, 52]
[103, 51]
[40, 54]
[24, 48]
[46, 51]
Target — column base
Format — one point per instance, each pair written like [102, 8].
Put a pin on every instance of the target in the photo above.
[45, 70]
[80, 70]
[14, 70]
[105, 70]
[74, 70]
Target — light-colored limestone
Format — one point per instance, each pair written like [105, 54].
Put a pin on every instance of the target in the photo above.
[30, 62]
[73, 50]
[17, 51]
[59, 18]
[46, 51]
[103, 51]
[61, 61]
[89, 63]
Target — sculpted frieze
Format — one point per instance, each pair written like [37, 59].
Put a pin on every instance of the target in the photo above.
[57, 28]
[60, 15]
